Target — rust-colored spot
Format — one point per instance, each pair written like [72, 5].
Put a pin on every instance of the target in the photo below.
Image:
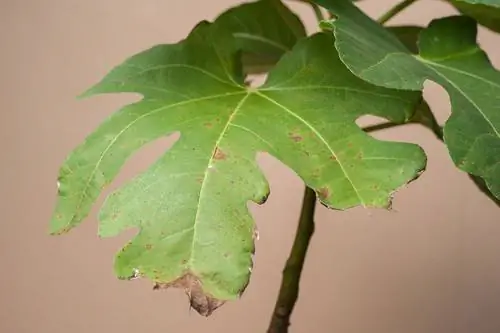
[114, 217]
[359, 156]
[323, 193]
[333, 157]
[59, 216]
[199, 180]
[219, 154]
[349, 144]
[183, 261]
[208, 125]
[295, 137]
[204, 303]
[148, 247]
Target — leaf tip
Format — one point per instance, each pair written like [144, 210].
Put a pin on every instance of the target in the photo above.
[202, 302]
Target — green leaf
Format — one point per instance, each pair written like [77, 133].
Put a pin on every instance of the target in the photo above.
[191, 205]
[264, 30]
[449, 56]
[483, 14]
[407, 35]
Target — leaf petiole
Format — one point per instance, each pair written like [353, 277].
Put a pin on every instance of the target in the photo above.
[395, 11]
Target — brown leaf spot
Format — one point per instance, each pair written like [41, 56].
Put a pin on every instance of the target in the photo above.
[208, 125]
[219, 154]
[333, 158]
[199, 180]
[114, 217]
[295, 137]
[148, 247]
[323, 193]
[202, 302]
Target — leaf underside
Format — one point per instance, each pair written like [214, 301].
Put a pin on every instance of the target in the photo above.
[449, 56]
[190, 206]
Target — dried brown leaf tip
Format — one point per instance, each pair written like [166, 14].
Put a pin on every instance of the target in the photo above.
[203, 303]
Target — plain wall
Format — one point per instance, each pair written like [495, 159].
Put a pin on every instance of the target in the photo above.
[432, 265]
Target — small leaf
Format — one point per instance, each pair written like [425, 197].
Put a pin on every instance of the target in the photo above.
[190, 206]
[483, 14]
[264, 30]
[449, 56]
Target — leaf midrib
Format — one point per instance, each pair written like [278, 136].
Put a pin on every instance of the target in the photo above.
[313, 129]
[244, 35]
[228, 124]
[456, 70]
[429, 64]
[113, 141]
[207, 169]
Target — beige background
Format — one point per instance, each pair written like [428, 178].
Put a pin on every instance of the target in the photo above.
[430, 266]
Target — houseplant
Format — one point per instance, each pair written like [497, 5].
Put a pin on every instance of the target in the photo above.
[190, 206]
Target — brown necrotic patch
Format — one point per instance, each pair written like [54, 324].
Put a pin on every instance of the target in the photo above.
[323, 193]
[202, 302]
[219, 154]
[295, 137]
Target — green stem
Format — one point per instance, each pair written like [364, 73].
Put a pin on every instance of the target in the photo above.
[382, 126]
[395, 10]
[317, 11]
[289, 290]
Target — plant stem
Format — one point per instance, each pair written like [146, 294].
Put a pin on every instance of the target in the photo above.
[395, 10]
[382, 126]
[317, 11]
[289, 289]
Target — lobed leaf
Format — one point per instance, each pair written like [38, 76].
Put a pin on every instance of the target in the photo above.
[449, 56]
[190, 206]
